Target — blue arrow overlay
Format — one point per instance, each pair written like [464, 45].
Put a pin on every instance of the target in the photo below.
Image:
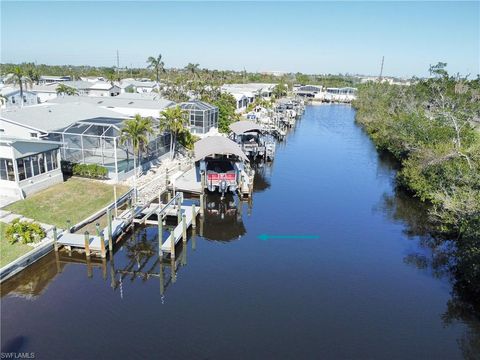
[265, 237]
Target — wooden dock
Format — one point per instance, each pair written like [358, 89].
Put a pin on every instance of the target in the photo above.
[180, 230]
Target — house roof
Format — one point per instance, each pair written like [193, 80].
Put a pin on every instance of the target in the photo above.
[138, 83]
[237, 96]
[49, 117]
[9, 140]
[78, 84]
[197, 105]
[243, 126]
[55, 78]
[8, 90]
[116, 102]
[101, 85]
[217, 145]
[135, 96]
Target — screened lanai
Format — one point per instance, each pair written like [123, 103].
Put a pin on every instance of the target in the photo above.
[97, 141]
[202, 116]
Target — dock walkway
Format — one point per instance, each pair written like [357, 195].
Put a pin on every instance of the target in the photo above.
[177, 233]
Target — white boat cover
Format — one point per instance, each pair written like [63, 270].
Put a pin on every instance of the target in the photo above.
[217, 145]
[243, 126]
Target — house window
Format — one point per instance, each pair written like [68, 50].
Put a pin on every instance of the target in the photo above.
[33, 135]
[2, 131]
[30, 166]
[13, 99]
[21, 169]
[3, 169]
[9, 168]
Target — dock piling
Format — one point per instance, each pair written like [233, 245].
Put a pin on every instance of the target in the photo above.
[184, 228]
[87, 244]
[172, 246]
[103, 253]
[97, 228]
[194, 217]
[160, 232]
[89, 267]
[179, 210]
[55, 238]
[202, 201]
[110, 246]
[109, 219]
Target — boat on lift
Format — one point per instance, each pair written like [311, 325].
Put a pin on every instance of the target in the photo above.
[223, 165]
[253, 139]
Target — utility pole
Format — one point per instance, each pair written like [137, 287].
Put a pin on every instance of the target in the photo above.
[381, 70]
[118, 65]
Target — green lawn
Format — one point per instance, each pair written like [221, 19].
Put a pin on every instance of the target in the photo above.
[10, 252]
[74, 200]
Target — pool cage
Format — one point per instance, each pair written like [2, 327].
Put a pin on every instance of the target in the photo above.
[97, 141]
[202, 116]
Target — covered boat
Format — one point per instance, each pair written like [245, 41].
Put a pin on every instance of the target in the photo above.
[252, 139]
[222, 163]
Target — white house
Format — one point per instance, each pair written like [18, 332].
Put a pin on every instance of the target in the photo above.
[45, 92]
[241, 100]
[27, 162]
[103, 88]
[139, 86]
[11, 97]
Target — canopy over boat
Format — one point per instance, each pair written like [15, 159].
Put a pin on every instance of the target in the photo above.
[243, 126]
[217, 145]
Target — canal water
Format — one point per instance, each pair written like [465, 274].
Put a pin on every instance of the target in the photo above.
[338, 273]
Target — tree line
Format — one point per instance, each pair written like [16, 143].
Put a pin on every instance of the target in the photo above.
[432, 129]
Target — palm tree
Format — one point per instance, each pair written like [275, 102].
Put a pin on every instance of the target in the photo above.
[279, 90]
[33, 73]
[19, 77]
[63, 89]
[173, 120]
[193, 69]
[135, 132]
[112, 77]
[157, 65]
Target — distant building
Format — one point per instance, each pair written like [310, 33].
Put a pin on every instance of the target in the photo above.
[138, 86]
[47, 79]
[102, 88]
[246, 94]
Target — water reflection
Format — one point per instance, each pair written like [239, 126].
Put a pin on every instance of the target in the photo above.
[263, 172]
[223, 218]
[145, 262]
[437, 256]
[34, 280]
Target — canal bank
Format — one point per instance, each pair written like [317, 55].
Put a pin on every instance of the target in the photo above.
[347, 294]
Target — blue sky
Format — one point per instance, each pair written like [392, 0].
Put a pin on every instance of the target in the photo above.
[311, 37]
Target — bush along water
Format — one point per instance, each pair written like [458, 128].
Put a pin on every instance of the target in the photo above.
[432, 129]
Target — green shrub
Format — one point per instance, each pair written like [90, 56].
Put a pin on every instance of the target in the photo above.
[24, 232]
[94, 171]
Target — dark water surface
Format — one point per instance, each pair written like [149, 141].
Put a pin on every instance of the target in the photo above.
[349, 294]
